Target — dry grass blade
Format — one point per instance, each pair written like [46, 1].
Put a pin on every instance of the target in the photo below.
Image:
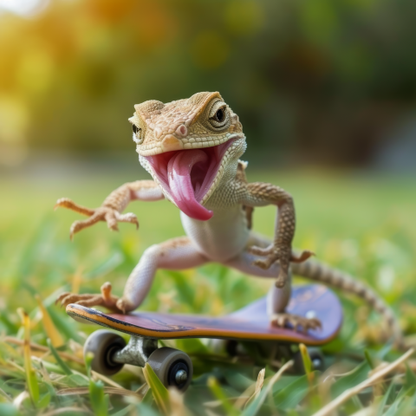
[76, 281]
[105, 379]
[50, 329]
[31, 380]
[332, 406]
[107, 390]
[257, 388]
[20, 398]
[367, 411]
[17, 341]
[211, 413]
[177, 407]
[67, 410]
[240, 400]
[256, 404]
[5, 396]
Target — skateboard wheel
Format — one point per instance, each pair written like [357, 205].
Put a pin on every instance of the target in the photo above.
[173, 367]
[103, 344]
[317, 358]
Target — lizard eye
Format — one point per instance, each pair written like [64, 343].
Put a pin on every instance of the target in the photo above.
[137, 134]
[219, 117]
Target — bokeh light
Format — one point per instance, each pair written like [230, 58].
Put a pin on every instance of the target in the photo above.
[323, 82]
[23, 7]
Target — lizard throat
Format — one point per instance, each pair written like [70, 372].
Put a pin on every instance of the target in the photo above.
[187, 176]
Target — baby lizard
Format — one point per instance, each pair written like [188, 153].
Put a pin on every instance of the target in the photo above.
[191, 148]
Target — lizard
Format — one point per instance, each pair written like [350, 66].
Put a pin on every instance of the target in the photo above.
[192, 148]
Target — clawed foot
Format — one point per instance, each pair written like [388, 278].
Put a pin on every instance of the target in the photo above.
[299, 323]
[106, 299]
[108, 214]
[273, 254]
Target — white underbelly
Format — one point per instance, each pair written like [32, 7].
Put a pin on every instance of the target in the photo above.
[222, 237]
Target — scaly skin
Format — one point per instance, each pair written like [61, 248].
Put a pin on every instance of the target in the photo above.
[176, 142]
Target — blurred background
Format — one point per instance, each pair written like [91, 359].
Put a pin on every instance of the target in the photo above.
[326, 92]
[323, 83]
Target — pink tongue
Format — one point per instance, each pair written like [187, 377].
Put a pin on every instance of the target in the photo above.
[179, 176]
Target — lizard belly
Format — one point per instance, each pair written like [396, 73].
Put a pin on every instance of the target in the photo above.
[220, 238]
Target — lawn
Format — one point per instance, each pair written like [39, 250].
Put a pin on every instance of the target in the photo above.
[363, 224]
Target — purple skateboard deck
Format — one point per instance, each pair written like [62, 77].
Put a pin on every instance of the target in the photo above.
[248, 323]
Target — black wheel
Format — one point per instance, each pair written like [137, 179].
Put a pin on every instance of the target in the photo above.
[103, 344]
[317, 358]
[173, 367]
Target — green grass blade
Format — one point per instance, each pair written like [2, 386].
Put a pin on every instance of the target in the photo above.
[307, 362]
[159, 391]
[222, 397]
[256, 404]
[290, 396]
[369, 359]
[58, 359]
[383, 403]
[99, 401]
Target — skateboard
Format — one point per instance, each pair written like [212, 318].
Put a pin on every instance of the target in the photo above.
[174, 367]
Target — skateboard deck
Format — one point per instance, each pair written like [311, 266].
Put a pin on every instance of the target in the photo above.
[250, 323]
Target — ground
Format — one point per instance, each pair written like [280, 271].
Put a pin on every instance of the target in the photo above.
[363, 224]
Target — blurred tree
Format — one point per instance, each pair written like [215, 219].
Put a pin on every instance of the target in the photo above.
[320, 79]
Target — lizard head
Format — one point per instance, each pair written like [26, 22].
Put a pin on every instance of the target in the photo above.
[189, 147]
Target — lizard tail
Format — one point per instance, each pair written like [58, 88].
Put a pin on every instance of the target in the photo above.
[332, 277]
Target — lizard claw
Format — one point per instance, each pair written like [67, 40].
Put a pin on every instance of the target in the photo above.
[295, 321]
[260, 251]
[129, 217]
[105, 298]
[69, 204]
[302, 257]
[80, 225]
[273, 254]
[103, 213]
[264, 264]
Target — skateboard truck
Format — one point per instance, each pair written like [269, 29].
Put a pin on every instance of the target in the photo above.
[136, 352]
[173, 367]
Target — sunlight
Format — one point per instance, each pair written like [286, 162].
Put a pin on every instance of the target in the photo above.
[23, 7]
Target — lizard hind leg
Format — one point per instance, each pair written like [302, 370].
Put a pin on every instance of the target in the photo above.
[278, 297]
[175, 254]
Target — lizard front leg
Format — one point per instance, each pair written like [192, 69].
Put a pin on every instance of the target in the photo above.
[112, 207]
[176, 254]
[261, 194]
[111, 212]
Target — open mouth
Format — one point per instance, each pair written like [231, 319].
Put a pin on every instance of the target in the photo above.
[187, 176]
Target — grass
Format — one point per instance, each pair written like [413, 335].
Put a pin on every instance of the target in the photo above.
[364, 225]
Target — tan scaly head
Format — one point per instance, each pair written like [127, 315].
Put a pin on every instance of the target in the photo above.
[188, 146]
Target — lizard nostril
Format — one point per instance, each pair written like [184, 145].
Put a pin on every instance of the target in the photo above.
[182, 130]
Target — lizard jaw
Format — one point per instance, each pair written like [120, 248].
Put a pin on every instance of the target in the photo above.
[187, 176]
